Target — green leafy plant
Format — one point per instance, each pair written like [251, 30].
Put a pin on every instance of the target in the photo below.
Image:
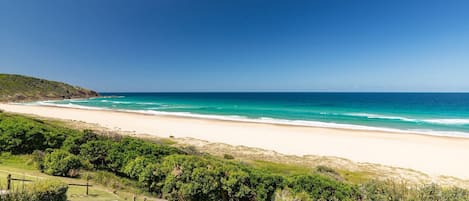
[62, 163]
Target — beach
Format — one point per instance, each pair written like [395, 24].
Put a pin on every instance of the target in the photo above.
[434, 155]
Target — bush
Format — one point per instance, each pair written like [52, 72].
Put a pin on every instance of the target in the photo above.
[190, 178]
[184, 177]
[152, 178]
[49, 191]
[286, 194]
[127, 149]
[228, 157]
[389, 190]
[235, 184]
[72, 143]
[96, 152]
[62, 163]
[23, 135]
[134, 168]
[323, 188]
[265, 184]
[40, 191]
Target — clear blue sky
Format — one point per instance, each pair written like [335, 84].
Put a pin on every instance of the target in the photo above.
[172, 45]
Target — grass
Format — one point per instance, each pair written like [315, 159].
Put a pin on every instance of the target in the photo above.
[356, 177]
[280, 168]
[20, 167]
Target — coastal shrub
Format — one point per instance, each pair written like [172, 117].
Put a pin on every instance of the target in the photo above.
[325, 170]
[397, 191]
[48, 191]
[62, 163]
[228, 156]
[23, 135]
[186, 177]
[321, 187]
[235, 183]
[455, 193]
[45, 190]
[135, 167]
[96, 152]
[190, 150]
[265, 184]
[190, 178]
[73, 142]
[383, 190]
[127, 149]
[152, 178]
[286, 194]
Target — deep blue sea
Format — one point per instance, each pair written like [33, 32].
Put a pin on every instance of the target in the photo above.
[426, 113]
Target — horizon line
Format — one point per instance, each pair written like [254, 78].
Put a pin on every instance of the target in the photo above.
[461, 92]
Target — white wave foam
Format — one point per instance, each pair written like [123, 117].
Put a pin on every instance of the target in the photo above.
[79, 101]
[448, 121]
[129, 102]
[107, 97]
[68, 105]
[146, 103]
[116, 102]
[377, 116]
[432, 121]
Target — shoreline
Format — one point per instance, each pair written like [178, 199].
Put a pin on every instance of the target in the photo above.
[434, 155]
[272, 121]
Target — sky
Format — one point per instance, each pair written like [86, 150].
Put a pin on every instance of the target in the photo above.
[239, 45]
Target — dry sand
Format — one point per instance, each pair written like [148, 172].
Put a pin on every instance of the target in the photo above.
[433, 155]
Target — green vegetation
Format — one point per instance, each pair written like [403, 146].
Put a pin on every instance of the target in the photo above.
[228, 157]
[279, 168]
[23, 88]
[61, 163]
[45, 190]
[394, 191]
[106, 186]
[173, 173]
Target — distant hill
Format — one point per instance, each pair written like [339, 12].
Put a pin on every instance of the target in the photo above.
[19, 88]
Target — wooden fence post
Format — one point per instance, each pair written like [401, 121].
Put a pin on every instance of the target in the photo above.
[8, 181]
[87, 185]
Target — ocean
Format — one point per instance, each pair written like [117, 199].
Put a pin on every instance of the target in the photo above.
[423, 113]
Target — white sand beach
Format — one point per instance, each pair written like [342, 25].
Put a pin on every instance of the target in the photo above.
[433, 155]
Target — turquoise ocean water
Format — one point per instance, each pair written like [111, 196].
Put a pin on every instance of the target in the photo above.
[426, 113]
